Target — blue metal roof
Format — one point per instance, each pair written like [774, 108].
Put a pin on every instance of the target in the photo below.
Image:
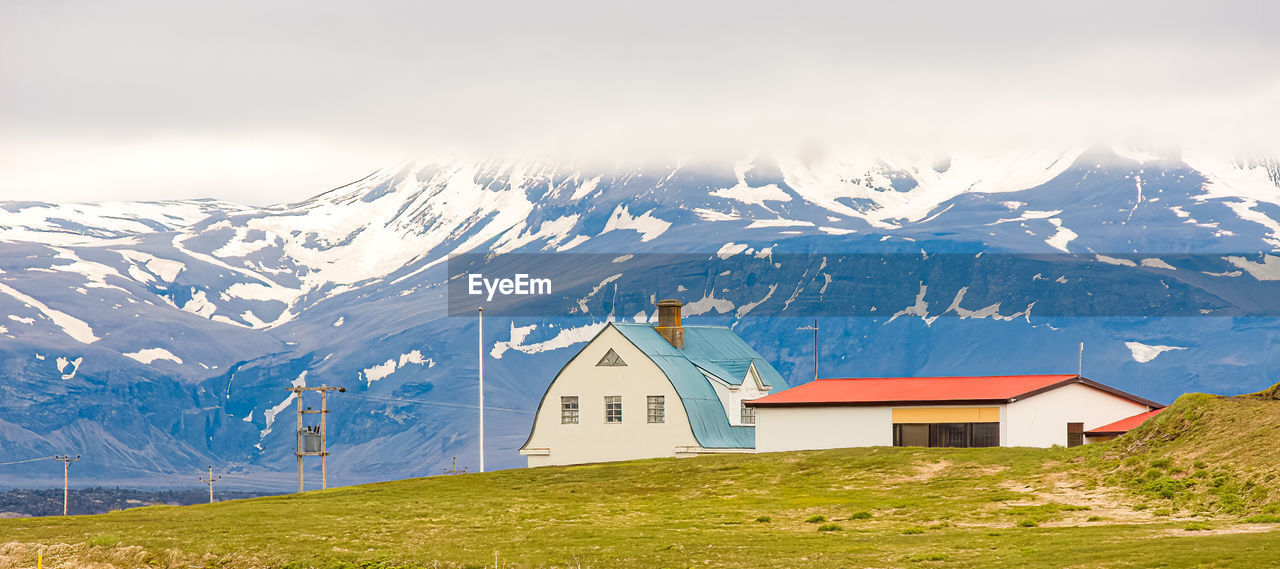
[718, 351]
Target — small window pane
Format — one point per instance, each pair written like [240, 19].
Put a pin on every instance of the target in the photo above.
[948, 435]
[748, 415]
[657, 409]
[986, 434]
[569, 409]
[613, 409]
[611, 359]
[911, 435]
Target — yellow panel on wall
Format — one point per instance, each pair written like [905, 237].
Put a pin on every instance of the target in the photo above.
[946, 415]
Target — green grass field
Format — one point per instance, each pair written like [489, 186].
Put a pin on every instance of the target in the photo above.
[1155, 498]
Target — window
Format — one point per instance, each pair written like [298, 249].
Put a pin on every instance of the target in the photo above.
[748, 415]
[613, 408]
[569, 409]
[611, 359]
[985, 435]
[946, 435]
[657, 409]
[1075, 434]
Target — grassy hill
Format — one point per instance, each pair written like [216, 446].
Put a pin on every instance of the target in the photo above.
[1193, 488]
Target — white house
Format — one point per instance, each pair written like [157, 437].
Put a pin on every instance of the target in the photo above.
[1020, 410]
[640, 391]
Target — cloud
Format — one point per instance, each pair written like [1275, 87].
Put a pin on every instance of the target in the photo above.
[275, 101]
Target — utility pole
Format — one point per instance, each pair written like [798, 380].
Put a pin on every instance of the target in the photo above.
[815, 346]
[308, 434]
[455, 470]
[480, 320]
[66, 461]
[210, 480]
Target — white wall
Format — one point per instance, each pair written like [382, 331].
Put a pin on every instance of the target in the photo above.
[731, 397]
[593, 440]
[1041, 421]
[808, 428]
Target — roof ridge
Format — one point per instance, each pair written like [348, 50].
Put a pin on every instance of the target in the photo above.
[954, 376]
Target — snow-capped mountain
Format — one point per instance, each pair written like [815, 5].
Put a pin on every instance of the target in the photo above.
[157, 338]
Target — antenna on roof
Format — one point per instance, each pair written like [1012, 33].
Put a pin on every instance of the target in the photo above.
[815, 346]
[1080, 362]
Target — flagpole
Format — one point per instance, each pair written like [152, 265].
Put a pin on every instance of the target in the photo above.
[480, 321]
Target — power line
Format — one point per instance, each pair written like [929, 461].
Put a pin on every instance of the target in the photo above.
[28, 460]
[392, 398]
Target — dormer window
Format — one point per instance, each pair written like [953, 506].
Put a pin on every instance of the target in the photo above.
[611, 359]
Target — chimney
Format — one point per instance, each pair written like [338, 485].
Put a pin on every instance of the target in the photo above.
[669, 322]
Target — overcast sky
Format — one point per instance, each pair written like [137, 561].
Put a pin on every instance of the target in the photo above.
[264, 102]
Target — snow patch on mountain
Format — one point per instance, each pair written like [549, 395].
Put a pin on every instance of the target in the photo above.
[648, 226]
[745, 193]
[1267, 270]
[269, 416]
[64, 363]
[72, 326]
[167, 270]
[1061, 237]
[148, 355]
[384, 369]
[779, 222]
[1143, 353]
[564, 338]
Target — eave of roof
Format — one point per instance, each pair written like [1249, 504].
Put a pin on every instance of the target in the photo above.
[1123, 425]
[952, 390]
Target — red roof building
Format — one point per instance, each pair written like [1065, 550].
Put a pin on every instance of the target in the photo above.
[964, 411]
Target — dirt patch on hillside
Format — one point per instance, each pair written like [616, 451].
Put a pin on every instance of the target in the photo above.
[924, 472]
[1112, 505]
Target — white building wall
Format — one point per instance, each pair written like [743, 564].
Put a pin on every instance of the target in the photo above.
[1041, 420]
[593, 440]
[809, 428]
[732, 396]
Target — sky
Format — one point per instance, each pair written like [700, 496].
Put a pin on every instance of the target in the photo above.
[270, 102]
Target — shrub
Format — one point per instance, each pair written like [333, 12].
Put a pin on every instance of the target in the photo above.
[1094, 519]
[1199, 464]
[928, 557]
[861, 516]
[1161, 462]
[764, 519]
[815, 519]
[1028, 524]
[829, 527]
[913, 531]
[1197, 526]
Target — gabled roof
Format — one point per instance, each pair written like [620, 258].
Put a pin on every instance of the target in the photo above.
[719, 352]
[1123, 425]
[930, 390]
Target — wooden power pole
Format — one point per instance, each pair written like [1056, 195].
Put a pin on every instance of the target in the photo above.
[66, 461]
[305, 433]
[210, 480]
